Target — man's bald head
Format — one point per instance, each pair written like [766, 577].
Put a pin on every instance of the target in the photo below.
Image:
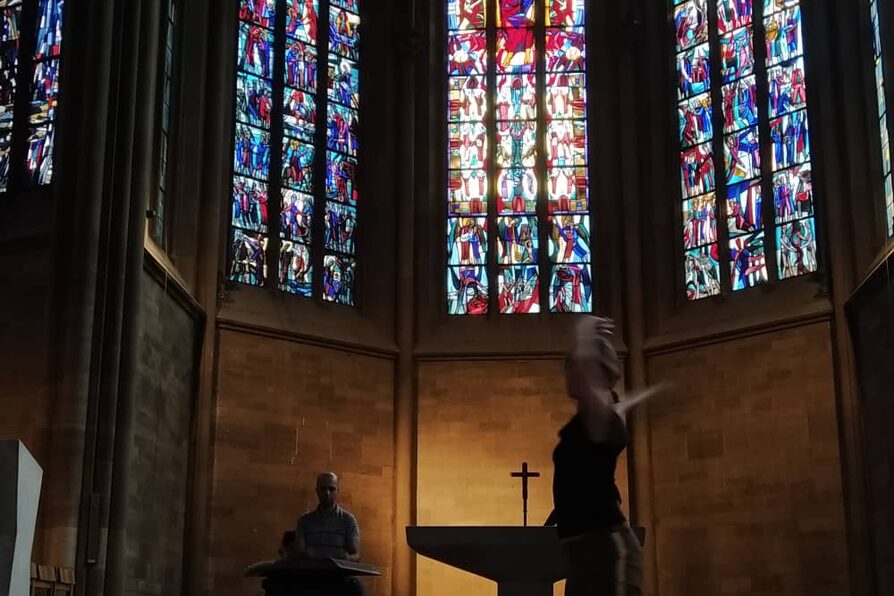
[327, 490]
[327, 476]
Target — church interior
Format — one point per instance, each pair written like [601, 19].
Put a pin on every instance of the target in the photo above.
[458, 183]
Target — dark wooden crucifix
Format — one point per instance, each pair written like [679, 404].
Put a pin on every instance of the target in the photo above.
[524, 475]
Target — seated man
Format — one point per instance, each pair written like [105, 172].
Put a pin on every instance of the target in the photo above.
[329, 532]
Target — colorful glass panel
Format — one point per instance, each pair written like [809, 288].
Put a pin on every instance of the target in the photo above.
[254, 100]
[732, 14]
[565, 13]
[301, 20]
[40, 154]
[301, 66]
[517, 191]
[568, 190]
[517, 240]
[736, 55]
[742, 154]
[467, 99]
[299, 115]
[295, 269]
[468, 192]
[296, 217]
[341, 223]
[691, 23]
[468, 145]
[566, 95]
[793, 194]
[339, 274]
[694, 71]
[343, 127]
[744, 208]
[699, 221]
[297, 165]
[467, 53]
[255, 50]
[9, 61]
[515, 13]
[788, 89]
[796, 246]
[702, 272]
[252, 151]
[740, 104]
[880, 93]
[467, 290]
[695, 115]
[248, 258]
[466, 14]
[341, 178]
[566, 143]
[249, 205]
[791, 141]
[519, 291]
[516, 144]
[569, 238]
[259, 12]
[344, 33]
[49, 29]
[783, 34]
[697, 170]
[748, 264]
[570, 289]
[565, 50]
[467, 241]
[515, 50]
[344, 81]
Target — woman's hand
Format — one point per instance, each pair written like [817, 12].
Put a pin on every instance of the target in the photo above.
[632, 400]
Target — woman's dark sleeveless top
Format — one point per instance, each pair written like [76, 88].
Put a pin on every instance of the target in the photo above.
[585, 495]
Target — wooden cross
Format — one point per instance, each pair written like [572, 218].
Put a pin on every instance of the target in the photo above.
[524, 475]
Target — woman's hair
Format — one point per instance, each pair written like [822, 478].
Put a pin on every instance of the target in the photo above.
[592, 355]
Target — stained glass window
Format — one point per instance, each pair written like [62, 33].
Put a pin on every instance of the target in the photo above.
[45, 91]
[880, 90]
[310, 177]
[748, 58]
[42, 86]
[518, 211]
[159, 204]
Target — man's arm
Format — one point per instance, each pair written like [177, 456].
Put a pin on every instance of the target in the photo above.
[352, 542]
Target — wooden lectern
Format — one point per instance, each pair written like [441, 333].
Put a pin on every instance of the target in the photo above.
[287, 577]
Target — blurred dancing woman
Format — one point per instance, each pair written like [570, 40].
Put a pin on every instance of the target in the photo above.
[604, 556]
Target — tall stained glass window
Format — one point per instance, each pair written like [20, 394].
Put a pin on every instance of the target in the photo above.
[518, 211]
[166, 84]
[41, 22]
[748, 58]
[301, 160]
[880, 90]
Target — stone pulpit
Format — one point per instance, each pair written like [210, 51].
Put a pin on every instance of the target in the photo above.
[20, 479]
[524, 561]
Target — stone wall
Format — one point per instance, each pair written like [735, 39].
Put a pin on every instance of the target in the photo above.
[872, 328]
[746, 471]
[285, 412]
[161, 429]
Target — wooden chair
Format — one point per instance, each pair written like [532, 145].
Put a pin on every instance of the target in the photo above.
[66, 581]
[43, 580]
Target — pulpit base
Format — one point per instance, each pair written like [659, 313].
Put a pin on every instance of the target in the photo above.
[527, 588]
